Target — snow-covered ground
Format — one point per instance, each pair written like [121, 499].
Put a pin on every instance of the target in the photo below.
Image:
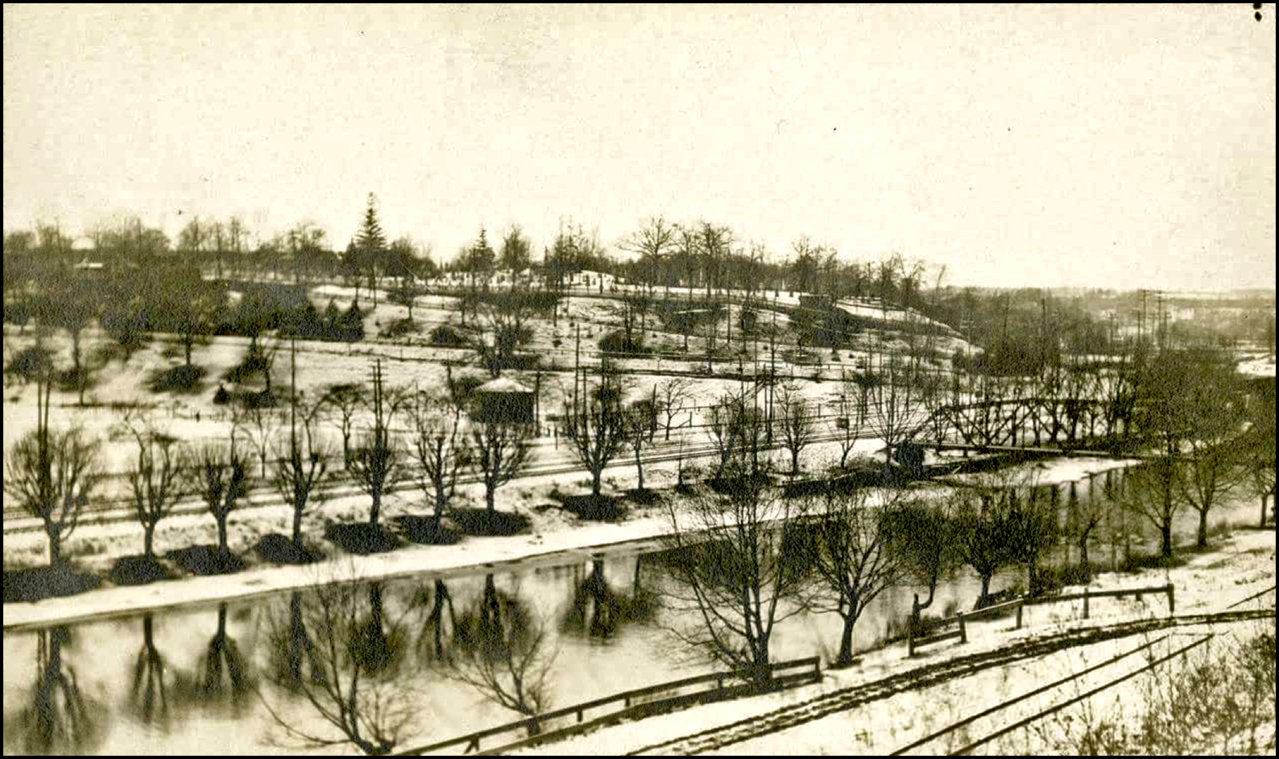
[1239, 567]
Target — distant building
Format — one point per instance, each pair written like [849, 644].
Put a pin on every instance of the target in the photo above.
[504, 401]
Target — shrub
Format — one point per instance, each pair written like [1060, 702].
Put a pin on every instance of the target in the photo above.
[26, 364]
[178, 379]
[399, 328]
[448, 336]
[617, 342]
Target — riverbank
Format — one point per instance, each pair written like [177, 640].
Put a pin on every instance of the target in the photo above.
[554, 532]
[814, 720]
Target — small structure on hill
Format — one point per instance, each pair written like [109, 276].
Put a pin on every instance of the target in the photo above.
[505, 401]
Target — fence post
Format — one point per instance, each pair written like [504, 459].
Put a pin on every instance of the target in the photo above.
[1019, 605]
[1171, 606]
[1085, 603]
[963, 633]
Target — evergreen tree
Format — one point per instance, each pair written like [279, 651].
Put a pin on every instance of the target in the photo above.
[371, 243]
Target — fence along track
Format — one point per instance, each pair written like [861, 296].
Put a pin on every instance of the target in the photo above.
[926, 677]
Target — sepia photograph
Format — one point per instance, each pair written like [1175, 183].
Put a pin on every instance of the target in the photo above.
[613, 379]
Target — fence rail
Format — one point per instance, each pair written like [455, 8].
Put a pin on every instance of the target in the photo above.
[807, 670]
[960, 619]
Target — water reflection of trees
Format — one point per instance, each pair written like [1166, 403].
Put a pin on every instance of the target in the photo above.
[597, 611]
[500, 648]
[154, 680]
[439, 625]
[224, 676]
[343, 660]
[60, 718]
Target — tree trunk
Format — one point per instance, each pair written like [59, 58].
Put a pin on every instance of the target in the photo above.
[1201, 538]
[1083, 556]
[1165, 539]
[222, 546]
[376, 510]
[489, 497]
[639, 469]
[845, 657]
[595, 482]
[1264, 498]
[148, 541]
[55, 545]
[985, 591]
[297, 527]
[186, 348]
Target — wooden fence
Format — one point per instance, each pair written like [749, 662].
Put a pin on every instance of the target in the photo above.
[959, 620]
[635, 703]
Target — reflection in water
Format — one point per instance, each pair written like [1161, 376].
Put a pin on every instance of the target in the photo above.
[59, 718]
[500, 651]
[292, 651]
[374, 645]
[437, 629]
[153, 680]
[341, 659]
[597, 611]
[227, 680]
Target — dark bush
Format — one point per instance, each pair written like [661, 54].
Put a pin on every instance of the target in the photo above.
[178, 379]
[399, 328]
[205, 560]
[28, 363]
[479, 521]
[38, 583]
[448, 336]
[139, 570]
[361, 538]
[617, 342]
[425, 530]
[279, 549]
[596, 508]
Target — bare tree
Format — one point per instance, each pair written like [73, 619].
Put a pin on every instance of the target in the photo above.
[640, 426]
[500, 650]
[735, 574]
[798, 423]
[348, 398]
[671, 398]
[260, 426]
[1213, 469]
[441, 447]
[1260, 444]
[161, 476]
[924, 538]
[854, 403]
[349, 690]
[51, 474]
[376, 462]
[985, 530]
[503, 329]
[301, 459]
[224, 479]
[500, 452]
[853, 556]
[596, 424]
[894, 394]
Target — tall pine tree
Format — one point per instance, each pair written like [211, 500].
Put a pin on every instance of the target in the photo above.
[371, 245]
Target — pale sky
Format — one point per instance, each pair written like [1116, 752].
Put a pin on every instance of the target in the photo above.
[1016, 145]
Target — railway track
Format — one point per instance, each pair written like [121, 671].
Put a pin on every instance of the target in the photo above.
[928, 676]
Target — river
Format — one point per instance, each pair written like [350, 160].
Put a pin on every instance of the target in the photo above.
[207, 681]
